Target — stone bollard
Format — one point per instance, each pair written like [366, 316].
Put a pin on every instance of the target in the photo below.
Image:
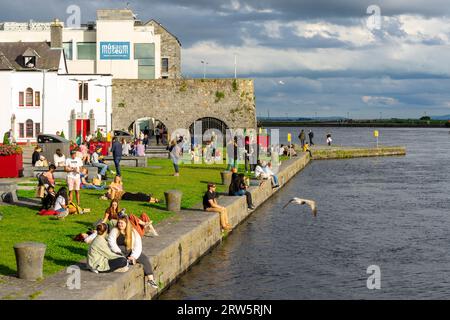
[226, 177]
[30, 260]
[173, 200]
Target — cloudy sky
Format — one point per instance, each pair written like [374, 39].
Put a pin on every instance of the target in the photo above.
[308, 57]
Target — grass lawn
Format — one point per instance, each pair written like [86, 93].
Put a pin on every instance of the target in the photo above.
[21, 224]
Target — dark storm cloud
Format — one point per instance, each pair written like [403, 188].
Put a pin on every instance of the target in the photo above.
[302, 91]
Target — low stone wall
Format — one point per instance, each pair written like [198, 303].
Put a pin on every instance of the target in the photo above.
[138, 162]
[325, 153]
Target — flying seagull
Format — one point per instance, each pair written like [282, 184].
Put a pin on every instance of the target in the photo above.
[310, 203]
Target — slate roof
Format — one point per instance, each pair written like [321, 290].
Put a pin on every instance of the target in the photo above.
[11, 55]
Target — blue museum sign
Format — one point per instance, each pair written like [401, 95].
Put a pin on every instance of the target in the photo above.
[114, 51]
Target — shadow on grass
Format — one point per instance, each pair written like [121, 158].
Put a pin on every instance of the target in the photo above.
[86, 224]
[7, 271]
[64, 263]
[76, 250]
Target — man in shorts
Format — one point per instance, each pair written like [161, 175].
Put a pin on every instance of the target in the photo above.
[73, 169]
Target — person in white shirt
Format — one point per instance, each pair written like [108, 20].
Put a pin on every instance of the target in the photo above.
[60, 205]
[73, 169]
[259, 172]
[267, 168]
[125, 148]
[125, 240]
[59, 159]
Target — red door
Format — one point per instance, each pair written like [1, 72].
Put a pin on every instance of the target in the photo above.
[86, 127]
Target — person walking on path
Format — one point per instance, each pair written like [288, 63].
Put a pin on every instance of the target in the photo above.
[311, 136]
[157, 135]
[329, 140]
[302, 137]
[175, 154]
[116, 150]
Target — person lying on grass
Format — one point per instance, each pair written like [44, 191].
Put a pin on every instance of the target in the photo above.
[125, 240]
[116, 191]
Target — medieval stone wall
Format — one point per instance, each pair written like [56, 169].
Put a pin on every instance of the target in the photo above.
[178, 103]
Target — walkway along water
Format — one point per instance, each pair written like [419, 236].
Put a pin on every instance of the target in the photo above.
[183, 240]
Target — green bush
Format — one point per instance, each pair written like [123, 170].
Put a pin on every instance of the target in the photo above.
[219, 96]
[6, 138]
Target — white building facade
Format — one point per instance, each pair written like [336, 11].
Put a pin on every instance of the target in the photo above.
[37, 95]
[115, 44]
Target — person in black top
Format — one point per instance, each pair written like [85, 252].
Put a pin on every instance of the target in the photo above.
[36, 155]
[311, 136]
[210, 204]
[116, 150]
[49, 200]
[239, 188]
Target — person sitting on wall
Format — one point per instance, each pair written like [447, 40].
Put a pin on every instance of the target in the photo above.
[140, 149]
[97, 161]
[101, 259]
[85, 153]
[239, 188]
[267, 168]
[306, 148]
[260, 174]
[59, 159]
[116, 191]
[210, 205]
[125, 240]
[42, 162]
[36, 155]
[291, 151]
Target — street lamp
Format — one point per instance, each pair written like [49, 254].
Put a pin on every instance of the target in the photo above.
[204, 68]
[235, 66]
[44, 71]
[106, 86]
[82, 82]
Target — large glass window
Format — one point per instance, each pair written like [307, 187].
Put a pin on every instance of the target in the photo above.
[87, 50]
[145, 54]
[68, 50]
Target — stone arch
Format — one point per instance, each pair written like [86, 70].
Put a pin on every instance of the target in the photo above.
[147, 124]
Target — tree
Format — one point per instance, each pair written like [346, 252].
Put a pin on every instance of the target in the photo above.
[6, 138]
[425, 118]
[62, 134]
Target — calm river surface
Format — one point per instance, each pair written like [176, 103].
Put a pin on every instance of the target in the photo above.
[392, 212]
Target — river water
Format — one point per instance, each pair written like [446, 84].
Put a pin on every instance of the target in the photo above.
[392, 212]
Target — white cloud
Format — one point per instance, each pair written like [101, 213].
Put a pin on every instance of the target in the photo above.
[374, 100]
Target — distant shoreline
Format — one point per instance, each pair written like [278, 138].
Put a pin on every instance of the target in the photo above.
[440, 124]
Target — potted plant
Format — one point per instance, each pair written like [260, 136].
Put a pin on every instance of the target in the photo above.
[11, 161]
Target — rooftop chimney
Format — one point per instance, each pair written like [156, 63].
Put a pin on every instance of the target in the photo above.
[56, 37]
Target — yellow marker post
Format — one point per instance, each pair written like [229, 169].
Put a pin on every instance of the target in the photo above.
[376, 134]
[289, 138]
